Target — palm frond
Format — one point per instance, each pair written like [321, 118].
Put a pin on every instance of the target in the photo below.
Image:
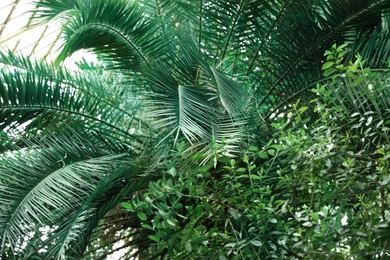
[186, 71]
[35, 98]
[59, 183]
[95, 25]
[309, 29]
[48, 10]
[182, 109]
[233, 29]
[233, 95]
[197, 102]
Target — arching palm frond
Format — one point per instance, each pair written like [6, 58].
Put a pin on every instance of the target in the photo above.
[279, 44]
[36, 96]
[60, 182]
[126, 42]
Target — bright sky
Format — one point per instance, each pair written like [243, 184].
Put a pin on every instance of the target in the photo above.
[17, 34]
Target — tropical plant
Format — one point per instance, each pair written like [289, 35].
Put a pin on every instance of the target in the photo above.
[75, 144]
[318, 189]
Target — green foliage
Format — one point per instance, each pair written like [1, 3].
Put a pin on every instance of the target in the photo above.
[179, 97]
[212, 212]
[318, 189]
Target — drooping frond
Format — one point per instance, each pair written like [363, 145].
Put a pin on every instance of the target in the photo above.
[60, 183]
[230, 30]
[129, 42]
[182, 109]
[34, 96]
[197, 102]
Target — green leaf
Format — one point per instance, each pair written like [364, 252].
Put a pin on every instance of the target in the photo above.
[362, 234]
[355, 114]
[341, 54]
[256, 243]
[180, 146]
[327, 65]
[330, 57]
[302, 110]
[127, 205]
[314, 216]
[360, 185]
[155, 238]
[147, 226]
[188, 247]
[234, 213]
[172, 222]
[329, 72]
[271, 152]
[142, 216]
[297, 244]
[262, 155]
[341, 47]
[200, 228]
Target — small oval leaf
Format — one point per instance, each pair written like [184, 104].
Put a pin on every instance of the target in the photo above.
[327, 65]
[142, 216]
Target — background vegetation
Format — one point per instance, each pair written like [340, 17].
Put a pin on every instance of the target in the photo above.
[207, 130]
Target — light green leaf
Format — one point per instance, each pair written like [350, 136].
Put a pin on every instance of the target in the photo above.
[256, 243]
[362, 234]
[327, 65]
[188, 247]
[142, 216]
[234, 213]
[147, 226]
[329, 72]
[127, 205]
[314, 216]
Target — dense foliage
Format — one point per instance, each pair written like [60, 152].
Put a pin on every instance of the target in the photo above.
[207, 129]
[317, 190]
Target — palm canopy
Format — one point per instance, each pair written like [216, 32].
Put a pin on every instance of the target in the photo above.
[264, 43]
[171, 70]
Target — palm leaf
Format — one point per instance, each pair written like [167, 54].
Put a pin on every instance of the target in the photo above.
[48, 10]
[94, 25]
[60, 183]
[35, 98]
[181, 109]
[310, 29]
[197, 102]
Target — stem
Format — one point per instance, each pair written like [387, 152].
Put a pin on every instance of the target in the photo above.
[384, 249]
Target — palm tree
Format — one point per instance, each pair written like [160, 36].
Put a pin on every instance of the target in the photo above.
[76, 144]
